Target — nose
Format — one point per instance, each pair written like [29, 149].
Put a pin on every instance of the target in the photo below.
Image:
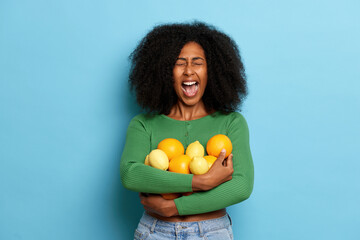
[188, 71]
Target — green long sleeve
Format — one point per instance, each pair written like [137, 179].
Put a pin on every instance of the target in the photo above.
[144, 134]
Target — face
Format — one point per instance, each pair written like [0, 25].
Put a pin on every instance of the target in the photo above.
[190, 74]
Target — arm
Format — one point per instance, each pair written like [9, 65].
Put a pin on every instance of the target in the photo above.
[220, 172]
[157, 204]
[136, 176]
[231, 192]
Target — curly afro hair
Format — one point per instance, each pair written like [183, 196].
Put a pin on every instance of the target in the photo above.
[152, 62]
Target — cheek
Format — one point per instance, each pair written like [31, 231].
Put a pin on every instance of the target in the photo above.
[204, 84]
[202, 73]
[176, 77]
[176, 83]
[204, 77]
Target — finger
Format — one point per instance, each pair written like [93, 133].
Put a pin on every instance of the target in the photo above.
[221, 156]
[149, 209]
[142, 199]
[229, 161]
[224, 163]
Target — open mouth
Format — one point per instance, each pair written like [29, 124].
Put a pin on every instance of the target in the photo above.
[190, 88]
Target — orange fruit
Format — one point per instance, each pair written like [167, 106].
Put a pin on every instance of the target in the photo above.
[170, 196]
[210, 160]
[172, 147]
[187, 193]
[180, 164]
[217, 143]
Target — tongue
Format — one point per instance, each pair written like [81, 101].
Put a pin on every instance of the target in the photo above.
[190, 90]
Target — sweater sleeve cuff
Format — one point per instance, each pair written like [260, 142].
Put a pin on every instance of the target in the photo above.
[179, 206]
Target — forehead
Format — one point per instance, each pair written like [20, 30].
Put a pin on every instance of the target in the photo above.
[192, 49]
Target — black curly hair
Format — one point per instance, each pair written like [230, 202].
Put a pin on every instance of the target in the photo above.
[152, 62]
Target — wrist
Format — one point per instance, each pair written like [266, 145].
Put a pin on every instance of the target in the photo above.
[201, 183]
[172, 208]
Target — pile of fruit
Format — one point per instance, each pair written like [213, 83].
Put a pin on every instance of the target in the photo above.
[170, 155]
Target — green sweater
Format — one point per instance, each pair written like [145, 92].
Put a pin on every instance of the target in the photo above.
[146, 131]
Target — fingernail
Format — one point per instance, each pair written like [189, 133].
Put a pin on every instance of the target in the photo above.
[223, 151]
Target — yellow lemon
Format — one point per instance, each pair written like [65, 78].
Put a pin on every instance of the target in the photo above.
[198, 165]
[210, 160]
[195, 149]
[158, 159]
[147, 160]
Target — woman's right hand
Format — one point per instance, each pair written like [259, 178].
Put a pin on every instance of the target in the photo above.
[220, 172]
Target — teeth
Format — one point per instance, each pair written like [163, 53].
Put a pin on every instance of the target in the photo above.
[189, 83]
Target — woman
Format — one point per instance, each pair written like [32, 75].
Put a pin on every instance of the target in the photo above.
[190, 79]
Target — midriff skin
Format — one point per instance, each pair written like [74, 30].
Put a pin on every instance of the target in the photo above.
[191, 218]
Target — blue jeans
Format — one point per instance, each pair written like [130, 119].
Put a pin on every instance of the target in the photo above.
[213, 229]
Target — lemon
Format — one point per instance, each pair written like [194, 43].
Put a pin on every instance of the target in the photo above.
[158, 159]
[199, 165]
[195, 149]
[147, 160]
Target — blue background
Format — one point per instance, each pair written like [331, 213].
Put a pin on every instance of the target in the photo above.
[65, 107]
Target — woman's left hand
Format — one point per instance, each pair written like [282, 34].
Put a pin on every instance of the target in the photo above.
[157, 204]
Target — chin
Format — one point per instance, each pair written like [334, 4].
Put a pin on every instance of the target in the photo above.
[190, 102]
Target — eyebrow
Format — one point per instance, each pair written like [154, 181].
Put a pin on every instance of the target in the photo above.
[194, 59]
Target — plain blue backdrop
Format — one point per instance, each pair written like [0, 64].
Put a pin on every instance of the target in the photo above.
[65, 106]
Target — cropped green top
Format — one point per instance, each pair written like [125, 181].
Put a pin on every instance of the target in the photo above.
[146, 131]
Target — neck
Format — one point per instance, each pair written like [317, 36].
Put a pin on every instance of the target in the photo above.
[183, 112]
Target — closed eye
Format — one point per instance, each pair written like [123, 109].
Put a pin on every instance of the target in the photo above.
[180, 62]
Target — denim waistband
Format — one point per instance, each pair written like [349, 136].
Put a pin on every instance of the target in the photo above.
[155, 224]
